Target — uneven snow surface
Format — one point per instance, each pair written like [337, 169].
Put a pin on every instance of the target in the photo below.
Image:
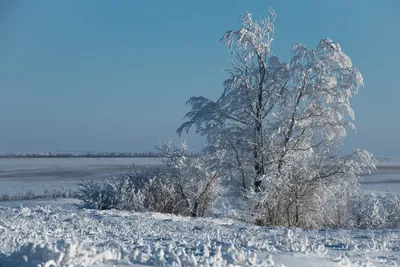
[60, 235]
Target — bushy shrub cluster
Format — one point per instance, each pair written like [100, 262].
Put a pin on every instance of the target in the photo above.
[184, 186]
[374, 210]
[342, 205]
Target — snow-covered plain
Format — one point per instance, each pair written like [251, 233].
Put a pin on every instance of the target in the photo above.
[17, 176]
[59, 234]
[385, 177]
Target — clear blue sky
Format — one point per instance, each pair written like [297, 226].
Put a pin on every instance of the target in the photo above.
[115, 75]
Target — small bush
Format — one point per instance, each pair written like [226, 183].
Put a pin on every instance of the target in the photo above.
[374, 210]
[184, 186]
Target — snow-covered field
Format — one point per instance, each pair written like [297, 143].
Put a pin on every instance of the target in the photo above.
[383, 179]
[60, 234]
[17, 176]
[386, 177]
[57, 232]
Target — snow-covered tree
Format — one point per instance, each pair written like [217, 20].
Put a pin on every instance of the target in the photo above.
[282, 123]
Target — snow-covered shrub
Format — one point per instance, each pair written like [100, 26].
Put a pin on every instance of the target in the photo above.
[131, 191]
[306, 192]
[90, 193]
[193, 176]
[374, 210]
[153, 193]
[391, 204]
[185, 186]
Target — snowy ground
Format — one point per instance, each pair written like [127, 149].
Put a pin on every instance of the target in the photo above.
[59, 233]
[386, 177]
[17, 176]
[383, 179]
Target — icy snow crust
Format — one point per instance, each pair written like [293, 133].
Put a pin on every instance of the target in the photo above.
[63, 236]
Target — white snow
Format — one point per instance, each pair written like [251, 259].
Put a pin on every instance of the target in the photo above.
[59, 234]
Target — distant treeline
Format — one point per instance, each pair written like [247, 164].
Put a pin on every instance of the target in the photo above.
[81, 155]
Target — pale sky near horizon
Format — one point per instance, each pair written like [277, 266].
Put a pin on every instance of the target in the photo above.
[100, 75]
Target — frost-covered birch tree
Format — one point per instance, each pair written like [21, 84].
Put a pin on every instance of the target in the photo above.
[282, 123]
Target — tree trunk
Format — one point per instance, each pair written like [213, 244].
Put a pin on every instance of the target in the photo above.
[194, 210]
[258, 146]
[288, 216]
[240, 165]
[259, 172]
